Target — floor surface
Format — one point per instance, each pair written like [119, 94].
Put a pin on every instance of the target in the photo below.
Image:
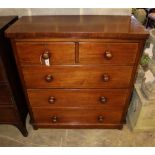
[10, 136]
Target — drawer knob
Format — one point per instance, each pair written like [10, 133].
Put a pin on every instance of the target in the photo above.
[106, 78]
[100, 118]
[103, 99]
[54, 119]
[51, 99]
[46, 55]
[108, 55]
[48, 78]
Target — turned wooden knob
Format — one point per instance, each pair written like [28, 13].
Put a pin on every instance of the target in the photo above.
[54, 119]
[100, 118]
[48, 78]
[108, 55]
[106, 77]
[103, 99]
[46, 55]
[51, 99]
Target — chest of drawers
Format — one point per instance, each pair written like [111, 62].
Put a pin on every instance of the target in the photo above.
[13, 108]
[77, 71]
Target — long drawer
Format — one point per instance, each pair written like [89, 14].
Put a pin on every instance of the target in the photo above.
[108, 53]
[7, 115]
[102, 98]
[77, 76]
[36, 53]
[2, 72]
[74, 116]
[5, 96]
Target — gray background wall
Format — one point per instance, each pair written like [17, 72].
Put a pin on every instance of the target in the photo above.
[64, 11]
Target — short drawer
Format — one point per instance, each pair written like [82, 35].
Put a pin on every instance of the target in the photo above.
[108, 53]
[74, 116]
[41, 53]
[77, 76]
[5, 96]
[54, 98]
[7, 115]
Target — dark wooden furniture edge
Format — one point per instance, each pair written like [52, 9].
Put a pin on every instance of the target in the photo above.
[12, 75]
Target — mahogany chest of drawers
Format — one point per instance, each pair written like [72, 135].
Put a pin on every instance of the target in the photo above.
[13, 108]
[77, 71]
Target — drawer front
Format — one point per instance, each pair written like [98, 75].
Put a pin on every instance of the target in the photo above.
[77, 76]
[5, 96]
[102, 98]
[108, 53]
[76, 116]
[37, 53]
[2, 73]
[7, 115]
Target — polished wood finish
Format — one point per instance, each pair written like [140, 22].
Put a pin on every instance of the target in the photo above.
[90, 80]
[77, 76]
[13, 108]
[5, 95]
[76, 116]
[84, 26]
[8, 115]
[34, 52]
[108, 53]
[77, 97]
[2, 73]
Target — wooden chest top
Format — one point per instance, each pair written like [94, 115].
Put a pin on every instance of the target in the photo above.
[78, 26]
